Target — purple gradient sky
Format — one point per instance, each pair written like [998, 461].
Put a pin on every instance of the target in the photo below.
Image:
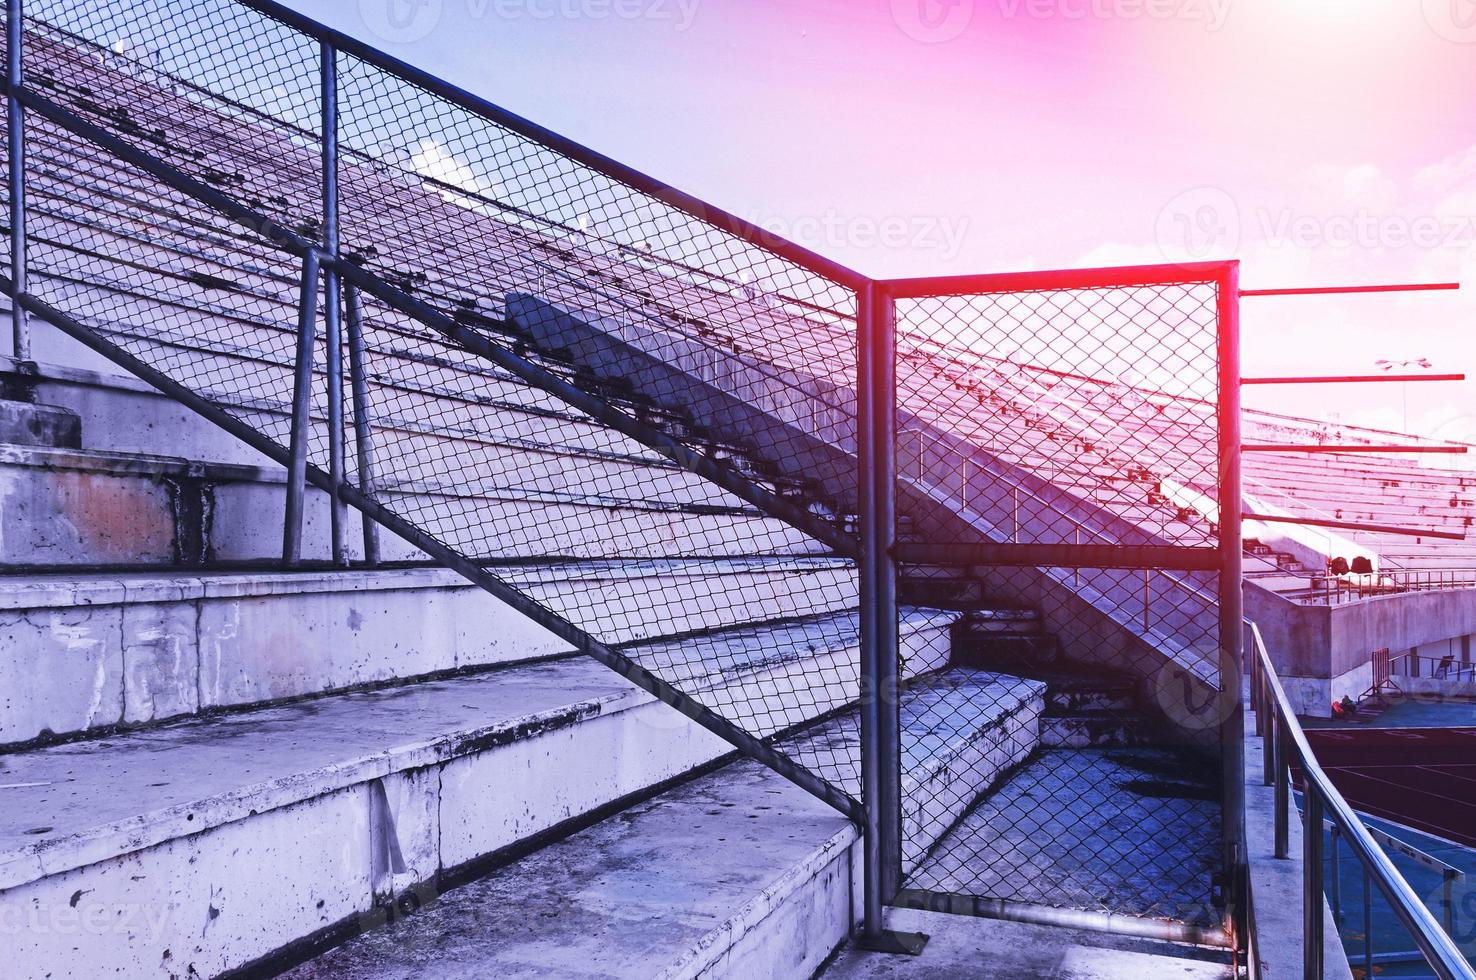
[1311, 138]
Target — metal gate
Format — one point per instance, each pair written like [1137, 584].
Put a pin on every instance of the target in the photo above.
[1058, 450]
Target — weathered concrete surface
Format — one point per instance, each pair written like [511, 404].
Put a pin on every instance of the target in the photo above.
[737, 874]
[141, 648]
[1128, 831]
[219, 841]
[61, 507]
[1276, 884]
[990, 949]
[31, 424]
[436, 774]
[960, 731]
[82, 652]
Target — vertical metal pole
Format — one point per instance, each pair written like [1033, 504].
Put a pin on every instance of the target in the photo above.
[1447, 901]
[1337, 878]
[20, 324]
[1312, 936]
[1283, 793]
[872, 901]
[1146, 594]
[1368, 950]
[880, 752]
[333, 331]
[1232, 613]
[1269, 750]
[302, 408]
[363, 440]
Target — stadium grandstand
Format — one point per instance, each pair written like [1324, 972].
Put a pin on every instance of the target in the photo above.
[433, 549]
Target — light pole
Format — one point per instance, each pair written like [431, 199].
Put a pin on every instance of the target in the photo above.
[1386, 365]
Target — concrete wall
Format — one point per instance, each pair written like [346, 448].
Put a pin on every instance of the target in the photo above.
[1324, 652]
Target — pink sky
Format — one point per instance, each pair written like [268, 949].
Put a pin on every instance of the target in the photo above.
[1320, 141]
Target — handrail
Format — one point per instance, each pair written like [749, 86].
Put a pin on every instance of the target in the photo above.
[1287, 745]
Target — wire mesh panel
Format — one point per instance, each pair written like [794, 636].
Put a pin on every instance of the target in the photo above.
[1057, 437]
[661, 321]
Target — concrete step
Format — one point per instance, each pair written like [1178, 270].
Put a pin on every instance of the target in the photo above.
[88, 653]
[737, 873]
[338, 805]
[73, 508]
[1096, 729]
[87, 507]
[24, 423]
[961, 730]
[1006, 651]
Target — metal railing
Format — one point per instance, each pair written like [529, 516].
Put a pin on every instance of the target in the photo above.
[1287, 746]
[1444, 668]
[354, 322]
[1339, 589]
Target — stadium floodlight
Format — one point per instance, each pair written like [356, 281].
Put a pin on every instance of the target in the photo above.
[1383, 364]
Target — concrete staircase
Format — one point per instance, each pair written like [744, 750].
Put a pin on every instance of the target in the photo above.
[230, 765]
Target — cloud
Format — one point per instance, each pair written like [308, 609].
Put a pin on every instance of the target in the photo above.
[433, 162]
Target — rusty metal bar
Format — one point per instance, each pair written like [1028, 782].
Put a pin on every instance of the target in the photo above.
[1411, 532]
[1418, 287]
[1326, 448]
[1352, 379]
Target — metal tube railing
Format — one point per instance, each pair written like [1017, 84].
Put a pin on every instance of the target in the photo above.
[1322, 801]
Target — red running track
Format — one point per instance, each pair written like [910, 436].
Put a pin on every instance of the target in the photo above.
[1424, 778]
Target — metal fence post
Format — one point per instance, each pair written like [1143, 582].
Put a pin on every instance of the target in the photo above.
[333, 332]
[1283, 788]
[1232, 613]
[302, 409]
[880, 751]
[1312, 871]
[20, 324]
[363, 440]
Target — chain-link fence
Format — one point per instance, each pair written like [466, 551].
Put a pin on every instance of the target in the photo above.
[1058, 466]
[575, 471]
[636, 419]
